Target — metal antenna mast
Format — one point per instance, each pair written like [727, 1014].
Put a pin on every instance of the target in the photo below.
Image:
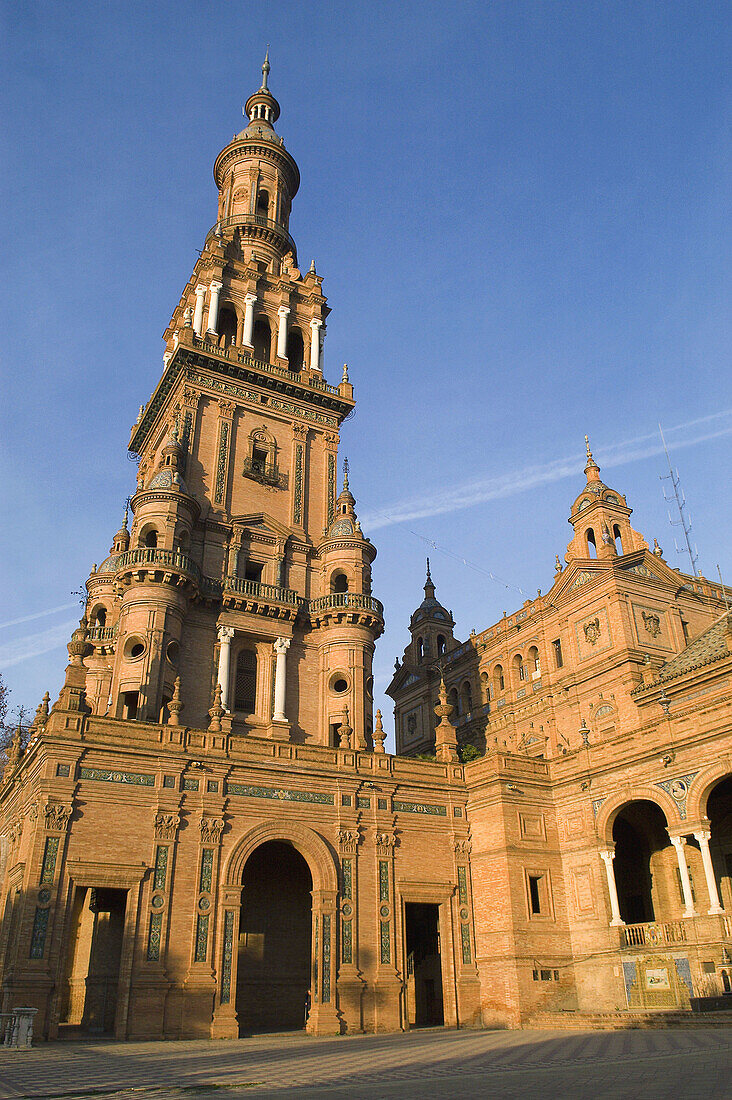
[683, 522]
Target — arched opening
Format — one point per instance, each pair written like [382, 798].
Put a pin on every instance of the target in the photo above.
[441, 644]
[519, 668]
[420, 648]
[591, 544]
[466, 696]
[262, 339]
[618, 538]
[534, 663]
[339, 582]
[499, 683]
[486, 690]
[645, 864]
[295, 350]
[182, 540]
[263, 203]
[273, 974]
[245, 686]
[149, 538]
[227, 327]
[98, 616]
[719, 812]
[454, 699]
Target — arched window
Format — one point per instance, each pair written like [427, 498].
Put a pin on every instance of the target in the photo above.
[519, 668]
[440, 644]
[245, 688]
[262, 339]
[534, 663]
[182, 540]
[263, 203]
[98, 616]
[420, 648]
[486, 688]
[454, 699]
[591, 544]
[227, 327]
[295, 350]
[499, 682]
[150, 538]
[466, 696]
[339, 582]
[618, 538]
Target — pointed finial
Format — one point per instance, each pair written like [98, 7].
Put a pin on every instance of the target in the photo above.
[265, 71]
[345, 474]
[311, 269]
[587, 446]
[379, 734]
[127, 514]
[345, 373]
[429, 576]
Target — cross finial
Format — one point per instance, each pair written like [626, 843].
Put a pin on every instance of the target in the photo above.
[345, 473]
[429, 578]
[587, 446]
[265, 71]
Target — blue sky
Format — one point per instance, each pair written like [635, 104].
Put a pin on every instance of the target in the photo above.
[521, 212]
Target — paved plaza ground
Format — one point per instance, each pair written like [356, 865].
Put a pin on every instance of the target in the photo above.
[421, 1065]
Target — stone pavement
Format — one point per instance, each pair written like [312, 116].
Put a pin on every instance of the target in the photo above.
[695, 1064]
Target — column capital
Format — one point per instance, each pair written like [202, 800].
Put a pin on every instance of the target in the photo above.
[608, 854]
[281, 645]
[225, 633]
[315, 323]
[250, 299]
[678, 840]
[702, 835]
[201, 289]
[215, 286]
[283, 311]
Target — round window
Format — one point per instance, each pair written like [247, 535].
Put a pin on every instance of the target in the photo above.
[340, 685]
[134, 647]
[173, 652]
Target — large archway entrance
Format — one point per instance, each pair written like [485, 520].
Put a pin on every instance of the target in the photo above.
[719, 812]
[645, 864]
[274, 963]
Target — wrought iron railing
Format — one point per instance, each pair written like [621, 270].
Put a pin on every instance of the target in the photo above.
[348, 601]
[159, 559]
[257, 590]
[268, 473]
[652, 934]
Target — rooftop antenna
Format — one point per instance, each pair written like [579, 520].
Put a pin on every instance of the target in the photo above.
[724, 589]
[683, 521]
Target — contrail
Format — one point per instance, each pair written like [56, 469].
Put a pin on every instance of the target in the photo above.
[37, 615]
[33, 645]
[501, 486]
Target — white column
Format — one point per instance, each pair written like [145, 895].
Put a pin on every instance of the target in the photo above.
[281, 647]
[703, 836]
[198, 312]
[213, 308]
[678, 843]
[607, 856]
[248, 336]
[315, 327]
[321, 358]
[283, 313]
[226, 633]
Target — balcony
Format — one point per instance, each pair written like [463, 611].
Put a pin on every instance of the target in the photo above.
[237, 355]
[102, 634]
[653, 934]
[354, 607]
[256, 225]
[168, 566]
[266, 473]
[260, 599]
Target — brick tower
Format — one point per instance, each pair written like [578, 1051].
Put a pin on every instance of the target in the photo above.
[240, 567]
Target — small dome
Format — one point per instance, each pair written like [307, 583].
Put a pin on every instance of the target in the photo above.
[341, 527]
[109, 565]
[168, 479]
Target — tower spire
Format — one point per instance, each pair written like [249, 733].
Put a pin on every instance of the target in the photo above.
[345, 475]
[592, 470]
[265, 71]
[429, 588]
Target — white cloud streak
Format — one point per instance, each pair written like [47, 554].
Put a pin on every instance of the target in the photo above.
[513, 482]
[35, 645]
[37, 615]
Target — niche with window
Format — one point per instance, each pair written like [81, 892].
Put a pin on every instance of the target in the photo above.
[295, 350]
[263, 203]
[148, 537]
[98, 616]
[499, 682]
[227, 325]
[339, 582]
[441, 644]
[557, 649]
[519, 668]
[261, 461]
[538, 896]
[454, 700]
[466, 697]
[534, 663]
[591, 544]
[245, 684]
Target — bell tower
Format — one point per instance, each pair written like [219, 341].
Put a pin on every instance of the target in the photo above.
[237, 576]
[600, 517]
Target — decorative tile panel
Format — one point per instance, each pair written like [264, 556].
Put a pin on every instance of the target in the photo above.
[222, 387]
[347, 876]
[596, 803]
[38, 937]
[280, 793]
[462, 885]
[362, 803]
[465, 942]
[161, 866]
[383, 880]
[419, 808]
[206, 871]
[102, 775]
[305, 414]
[326, 958]
[297, 508]
[190, 784]
[202, 921]
[222, 463]
[385, 942]
[227, 957]
[49, 860]
[347, 941]
[153, 937]
[679, 789]
[331, 486]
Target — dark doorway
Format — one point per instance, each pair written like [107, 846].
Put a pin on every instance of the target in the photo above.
[641, 843]
[273, 977]
[89, 995]
[424, 965]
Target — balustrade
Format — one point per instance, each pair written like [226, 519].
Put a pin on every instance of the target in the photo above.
[159, 559]
[653, 934]
[258, 590]
[347, 601]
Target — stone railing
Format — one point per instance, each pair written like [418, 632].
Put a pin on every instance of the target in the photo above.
[652, 934]
[236, 355]
[257, 220]
[101, 633]
[158, 559]
[260, 591]
[347, 601]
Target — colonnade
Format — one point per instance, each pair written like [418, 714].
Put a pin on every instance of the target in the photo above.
[317, 330]
[702, 836]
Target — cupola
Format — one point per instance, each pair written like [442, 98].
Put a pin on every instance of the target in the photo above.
[600, 518]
